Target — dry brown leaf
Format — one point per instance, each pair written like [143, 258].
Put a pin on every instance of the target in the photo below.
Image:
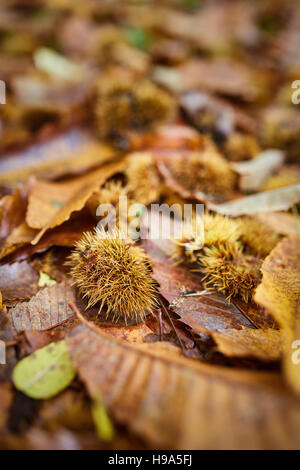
[71, 153]
[6, 398]
[18, 282]
[281, 222]
[177, 403]
[202, 313]
[255, 172]
[132, 334]
[267, 201]
[264, 345]
[51, 204]
[279, 292]
[45, 310]
[221, 76]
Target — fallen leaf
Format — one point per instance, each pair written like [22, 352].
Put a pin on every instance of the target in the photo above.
[46, 309]
[6, 398]
[255, 172]
[281, 222]
[70, 153]
[45, 280]
[202, 313]
[279, 292]
[264, 345]
[51, 204]
[64, 235]
[267, 201]
[223, 76]
[102, 422]
[44, 373]
[178, 403]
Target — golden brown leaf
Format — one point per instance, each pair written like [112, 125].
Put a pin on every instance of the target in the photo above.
[279, 292]
[18, 282]
[267, 201]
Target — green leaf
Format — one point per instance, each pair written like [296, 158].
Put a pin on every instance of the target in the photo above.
[44, 373]
[103, 424]
[138, 37]
[45, 280]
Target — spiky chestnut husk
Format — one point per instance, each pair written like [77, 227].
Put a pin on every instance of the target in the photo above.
[228, 270]
[218, 230]
[240, 147]
[257, 238]
[143, 181]
[206, 171]
[114, 273]
[128, 106]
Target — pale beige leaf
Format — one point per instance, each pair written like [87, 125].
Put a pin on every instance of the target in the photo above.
[178, 403]
[275, 200]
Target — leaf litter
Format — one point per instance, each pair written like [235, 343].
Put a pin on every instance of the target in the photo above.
[167, 103]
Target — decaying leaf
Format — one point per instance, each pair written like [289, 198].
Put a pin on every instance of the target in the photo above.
[18, 282]
[174, 402]
[51, 204]
[46, 309]
[279, 292]
[267, 201]
[260, 344]
[44, 373]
